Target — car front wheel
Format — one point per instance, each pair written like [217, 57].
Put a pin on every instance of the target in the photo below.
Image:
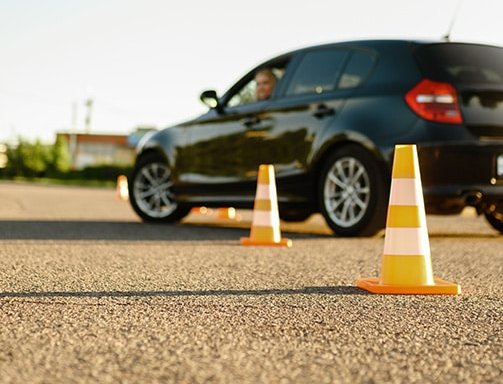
[151, 191]
[352, 192]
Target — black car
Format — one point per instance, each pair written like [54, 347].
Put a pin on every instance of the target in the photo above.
[330, 127]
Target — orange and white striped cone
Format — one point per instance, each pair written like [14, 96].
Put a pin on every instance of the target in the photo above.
[406, 262]
[226, 213]
[122, 188]
[265, 222]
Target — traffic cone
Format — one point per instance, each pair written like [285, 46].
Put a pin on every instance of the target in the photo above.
[122, 188]
[202, 210]
[226, 213]
[406, 263]
[265, 222]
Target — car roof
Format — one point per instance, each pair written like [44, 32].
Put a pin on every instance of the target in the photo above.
[375, 43]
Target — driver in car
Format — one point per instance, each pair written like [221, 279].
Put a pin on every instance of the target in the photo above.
[266, 81]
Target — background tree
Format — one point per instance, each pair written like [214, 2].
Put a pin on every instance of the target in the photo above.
[36, 158]
[29, 159]
[59, 157]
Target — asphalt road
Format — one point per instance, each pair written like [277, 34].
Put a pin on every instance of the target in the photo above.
[88, 294]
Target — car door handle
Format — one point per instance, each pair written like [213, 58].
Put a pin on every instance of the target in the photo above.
[322, 110]
[250, 121]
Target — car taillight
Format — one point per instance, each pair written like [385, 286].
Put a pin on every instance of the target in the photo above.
[435, 101]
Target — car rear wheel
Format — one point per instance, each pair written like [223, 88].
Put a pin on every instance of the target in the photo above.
[495, 218]
[151, 190]
[352, 192]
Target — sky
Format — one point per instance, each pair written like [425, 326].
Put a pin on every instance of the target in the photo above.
[145, 62]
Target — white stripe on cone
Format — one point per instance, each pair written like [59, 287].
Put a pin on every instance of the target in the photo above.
[407, 241]
[406, 192]
[265, 219]
[265, 192]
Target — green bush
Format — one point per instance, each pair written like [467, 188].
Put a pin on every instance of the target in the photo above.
[35, 160]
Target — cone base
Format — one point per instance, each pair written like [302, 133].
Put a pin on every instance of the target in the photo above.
[441, 287]
[248, 241]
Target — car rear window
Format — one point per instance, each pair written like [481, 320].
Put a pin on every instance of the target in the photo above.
[462, 63]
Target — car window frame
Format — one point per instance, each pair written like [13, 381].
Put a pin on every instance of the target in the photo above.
[297, 59]
[293, 60]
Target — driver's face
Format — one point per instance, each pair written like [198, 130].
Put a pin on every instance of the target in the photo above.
[265, 86]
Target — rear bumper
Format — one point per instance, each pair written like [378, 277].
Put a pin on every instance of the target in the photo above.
[459, 175]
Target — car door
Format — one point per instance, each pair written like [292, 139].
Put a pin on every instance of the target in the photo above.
[221, 157]
[304, 105]
[216, 149]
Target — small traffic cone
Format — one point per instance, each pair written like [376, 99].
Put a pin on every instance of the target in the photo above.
[265, 222]
[226, 213]
[406, 263]
[122, 188]
[202, 210]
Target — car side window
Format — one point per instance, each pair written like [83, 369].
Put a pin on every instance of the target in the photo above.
[245, 95]
[317, 72]
[358, 68]
[248, 93]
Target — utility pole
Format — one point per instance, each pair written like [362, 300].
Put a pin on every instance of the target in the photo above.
[72, 136]
[89, 105]
[74, 117]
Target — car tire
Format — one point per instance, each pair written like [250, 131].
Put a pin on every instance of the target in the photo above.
[353, 193]
[495, 219]
[150, 191]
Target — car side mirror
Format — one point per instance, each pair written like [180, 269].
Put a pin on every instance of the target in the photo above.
[210, 98]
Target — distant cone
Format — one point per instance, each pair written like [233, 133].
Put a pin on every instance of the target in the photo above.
[122, 188]
[265, 223]
[201, 210]
[226, 213]
[406, 262]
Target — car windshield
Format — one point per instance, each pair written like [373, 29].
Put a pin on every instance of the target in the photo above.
[462, 63]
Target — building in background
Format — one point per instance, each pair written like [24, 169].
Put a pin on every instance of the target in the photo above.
[94, 149]
[3, 155]
[91, 149]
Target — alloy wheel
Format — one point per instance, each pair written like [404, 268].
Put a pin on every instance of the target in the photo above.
[346, 192]
[153, 190]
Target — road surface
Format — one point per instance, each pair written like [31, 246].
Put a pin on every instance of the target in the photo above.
[89, 294]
